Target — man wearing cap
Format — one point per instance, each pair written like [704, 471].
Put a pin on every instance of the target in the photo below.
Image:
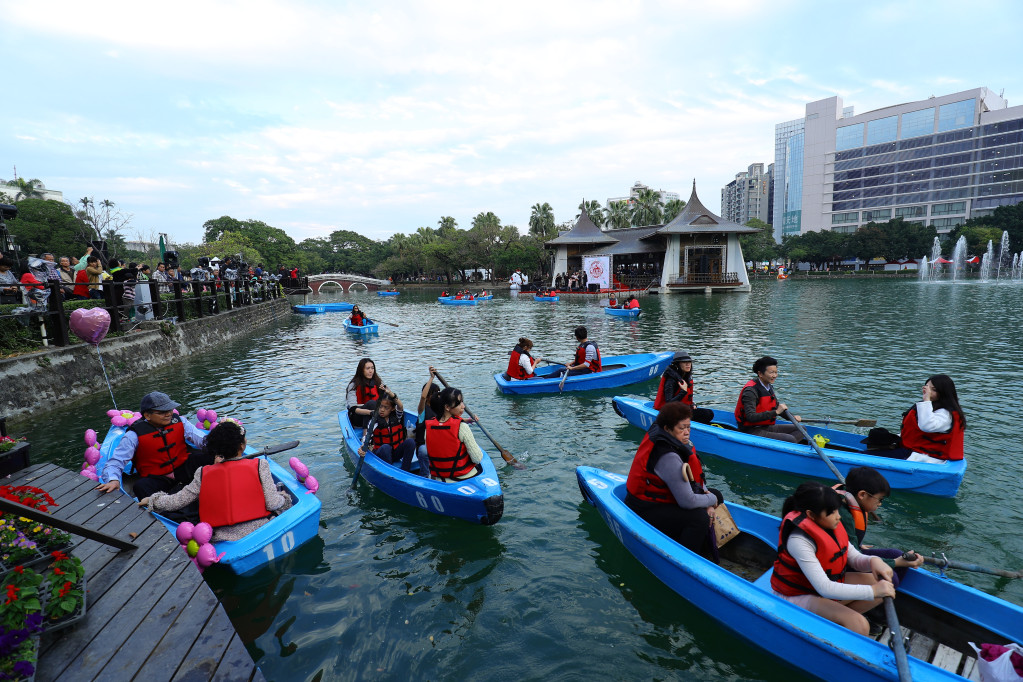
[156, 445]
[677, 386]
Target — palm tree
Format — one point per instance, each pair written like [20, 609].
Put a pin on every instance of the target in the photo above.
[26, 189]
[672, 209]
[649, 208]
[618, 215]
[593, 210]
[541, 221]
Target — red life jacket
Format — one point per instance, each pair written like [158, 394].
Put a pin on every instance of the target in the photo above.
[644, 484]
[580, 356]
[391, 432]
[231, 493]
[832, 553]
[364, 394]
[448, 456]
[686, 398]
[160, 451]
[357, 319]
[858, 515]
[633, 304]
[948, 445]
[515, 370]
[765, 403]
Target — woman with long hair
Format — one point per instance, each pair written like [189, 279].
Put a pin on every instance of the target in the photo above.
[453, 452]
[363, 392]
[932, 429]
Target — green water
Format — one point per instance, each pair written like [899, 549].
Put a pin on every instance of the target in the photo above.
[394, 593]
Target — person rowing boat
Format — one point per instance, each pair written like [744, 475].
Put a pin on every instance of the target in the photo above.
[677, 386]
[521, 364]
[757, 408]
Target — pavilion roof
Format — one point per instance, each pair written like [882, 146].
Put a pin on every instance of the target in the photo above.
[584, 232]
[696, 218]
[630, 240]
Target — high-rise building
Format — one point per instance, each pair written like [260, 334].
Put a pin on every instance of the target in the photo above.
[748, 196]
[634, 192]
[937, 161]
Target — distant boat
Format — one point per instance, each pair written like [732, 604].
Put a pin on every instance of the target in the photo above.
[370, 327]
[545, 298]
[314, 308]
[623, 312]
[451, 300]
[388, 293]
[618, 370]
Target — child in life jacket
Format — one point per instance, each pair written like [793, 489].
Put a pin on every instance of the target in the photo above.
[817, 569]
[386, 435]
[863, 493]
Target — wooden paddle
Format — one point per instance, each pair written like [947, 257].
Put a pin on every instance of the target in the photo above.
[385, 322]
[854, 422]
[564, 375]
[273, 449]
[358, 469]
[508, 457]
[897, 641]
[813, 443]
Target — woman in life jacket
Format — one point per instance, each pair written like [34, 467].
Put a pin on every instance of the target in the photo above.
[454, 454]
[932, 430]
[358, 318]
[522, 364]
[817, 569]
[659, 490]
[425, 413]
[236, 495]
[864, 491]
[632, 303]
[363, 392]
[677, 386]
[757, 408]
[387, 437]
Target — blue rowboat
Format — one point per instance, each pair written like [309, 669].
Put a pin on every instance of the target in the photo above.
[369, 328]
[478, 499]
[388, 293]
[844, 449]
[544, 298]
[618, 370]
[623, 312]
[950, 613]
[313, 308]
[450, 300]
[488, 297]
[286, 531]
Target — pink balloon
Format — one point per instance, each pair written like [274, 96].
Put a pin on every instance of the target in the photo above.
[113, 413]
[135, 416]
[119, 421]
[208, 555]
[184, 532]
[90, 325]
[201, 414]
[211, 415]
[202, 532]
[90, 474]
[301, 470]
[312, 484]
[90, 437]
[91, 456]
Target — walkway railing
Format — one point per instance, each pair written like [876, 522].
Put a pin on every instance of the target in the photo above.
[707, 278]
[49, 318]
[350, 278]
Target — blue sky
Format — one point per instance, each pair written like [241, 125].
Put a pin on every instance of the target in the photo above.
[382, 117]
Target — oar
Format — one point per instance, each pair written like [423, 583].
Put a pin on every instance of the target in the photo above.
[897, 641]
[274, 449]
[855, 422]
[564, 376]
[944, 562]
[813, 443]
[358, 468]
[508, 457]
[385, 322]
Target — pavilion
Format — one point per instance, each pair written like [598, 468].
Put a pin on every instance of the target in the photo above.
[695, 251]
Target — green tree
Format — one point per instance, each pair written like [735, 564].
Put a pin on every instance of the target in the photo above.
[760, 246]
[593, 211]
[229, 244]
[47, 226]
[673, 208]
[618, 215]
[26, 189]
[541, 222]
[649, 209]
[1008, 218]
[977, 237]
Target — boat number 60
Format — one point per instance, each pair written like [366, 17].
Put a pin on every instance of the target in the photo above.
[433, 500]
[287, 544]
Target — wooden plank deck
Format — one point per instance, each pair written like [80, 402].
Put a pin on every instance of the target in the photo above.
[149, 614]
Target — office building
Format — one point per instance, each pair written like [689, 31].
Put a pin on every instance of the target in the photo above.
[748, 196]
[938, 162]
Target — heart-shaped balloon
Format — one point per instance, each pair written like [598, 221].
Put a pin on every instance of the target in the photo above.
[90, 325]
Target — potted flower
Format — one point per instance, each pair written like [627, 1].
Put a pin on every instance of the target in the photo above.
[15, 547]
[13, 454]
[20, 623]
[65, 587]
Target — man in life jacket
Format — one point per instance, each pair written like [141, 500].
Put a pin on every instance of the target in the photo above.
[757, 409]
[156, 446]
[587, 355]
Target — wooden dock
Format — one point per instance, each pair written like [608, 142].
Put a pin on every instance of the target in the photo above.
[149, 614]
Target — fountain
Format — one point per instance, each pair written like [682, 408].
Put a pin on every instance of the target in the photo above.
[958, 258]
[1003, 252]
[995, 264]
[935, 258]
[985, 262]
[924, 271]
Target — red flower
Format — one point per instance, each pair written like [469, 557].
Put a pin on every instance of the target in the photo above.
[67, 588]
[12, 594]
[57, 571]
[19, 570]
[59, 555]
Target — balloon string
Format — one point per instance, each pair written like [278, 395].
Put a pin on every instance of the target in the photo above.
[106, 377]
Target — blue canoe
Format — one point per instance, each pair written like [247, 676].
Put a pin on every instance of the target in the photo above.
[293, 527]
[623, 312]
[488, 297]
[478, 499]
[618, 370]
[725, 441]
[544, 298]
[388, 293]
[949, 612]
[311, 309]
[451, 300]
[370, 327]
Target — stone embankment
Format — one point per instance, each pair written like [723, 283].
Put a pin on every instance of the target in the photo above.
[51, 378]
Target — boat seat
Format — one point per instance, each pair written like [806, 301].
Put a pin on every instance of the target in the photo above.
[764, 581]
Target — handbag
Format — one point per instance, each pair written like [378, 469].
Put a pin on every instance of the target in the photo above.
[724, 525]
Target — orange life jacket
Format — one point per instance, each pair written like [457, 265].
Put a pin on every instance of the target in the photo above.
[643, 483]
[858, 515]
[580, 356]
[231, 493]
[765, 403]
[160, 451]
[515, 370]
[363, 394]
[832, 553]
[391, 432]
[948, 445]
[448, 456]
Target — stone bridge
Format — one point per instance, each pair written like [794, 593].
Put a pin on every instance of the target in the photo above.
[346, 282]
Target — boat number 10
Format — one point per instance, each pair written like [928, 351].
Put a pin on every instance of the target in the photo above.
[287, 544]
